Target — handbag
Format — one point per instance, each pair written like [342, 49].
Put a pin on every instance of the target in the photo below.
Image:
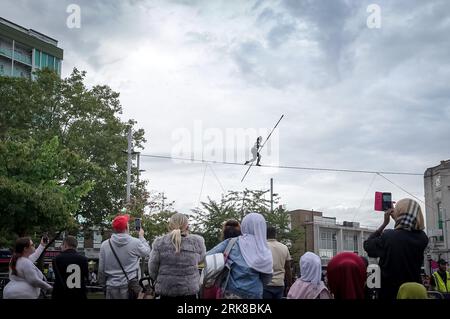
[133, 285]
[148, 291]
[215, 275]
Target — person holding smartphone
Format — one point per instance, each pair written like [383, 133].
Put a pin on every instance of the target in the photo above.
[118, 268]
[400, 250]
[26, 280]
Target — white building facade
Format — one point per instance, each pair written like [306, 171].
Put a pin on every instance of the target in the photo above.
[437, 211]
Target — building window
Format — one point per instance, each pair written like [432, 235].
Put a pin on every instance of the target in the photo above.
[350, 242]
[440, 220]
[51, 62]
[44, 60]
[328, 244]
[58, 66]
[37, 58]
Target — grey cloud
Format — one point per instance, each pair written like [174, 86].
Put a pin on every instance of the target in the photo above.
[281, 29]
[354, 97]
[327, 22]
[279, 34]
[100, 20]
[198, 37]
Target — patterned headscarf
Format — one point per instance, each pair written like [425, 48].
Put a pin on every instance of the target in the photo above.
[408, 215]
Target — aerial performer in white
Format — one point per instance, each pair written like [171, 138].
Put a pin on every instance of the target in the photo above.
[255, 152]
[256, 149]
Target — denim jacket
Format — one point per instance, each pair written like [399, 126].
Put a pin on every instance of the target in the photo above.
[243, 280]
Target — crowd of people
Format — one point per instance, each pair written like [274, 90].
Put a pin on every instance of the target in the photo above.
[259, 266]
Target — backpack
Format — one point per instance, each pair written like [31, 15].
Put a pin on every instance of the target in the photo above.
[214, 277]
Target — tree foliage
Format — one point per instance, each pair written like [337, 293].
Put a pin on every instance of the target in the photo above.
[86, 123]
[155, 218]
[37, 190]
[210, 217]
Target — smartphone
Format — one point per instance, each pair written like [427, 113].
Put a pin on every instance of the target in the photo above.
[137, 224]
[387, 201]
[45, 238]
[383, 201]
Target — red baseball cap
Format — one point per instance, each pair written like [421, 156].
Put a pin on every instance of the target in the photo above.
[120, 222]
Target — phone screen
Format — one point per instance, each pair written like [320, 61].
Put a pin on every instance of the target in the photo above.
[387, 201]
[137, 223]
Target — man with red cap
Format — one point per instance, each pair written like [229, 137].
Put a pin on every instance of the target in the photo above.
[119, 258]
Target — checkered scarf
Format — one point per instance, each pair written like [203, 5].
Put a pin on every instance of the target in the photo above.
[408, 215]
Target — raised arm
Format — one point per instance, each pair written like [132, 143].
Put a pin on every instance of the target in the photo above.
[35, 256]
[143, 248]
[374, 244]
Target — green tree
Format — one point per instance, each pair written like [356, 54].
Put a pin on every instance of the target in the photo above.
[86, 122]
[155, 220]
[38, 191]
[209, 218]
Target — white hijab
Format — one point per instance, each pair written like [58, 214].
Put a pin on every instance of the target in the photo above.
[311, 268]
[253, 243]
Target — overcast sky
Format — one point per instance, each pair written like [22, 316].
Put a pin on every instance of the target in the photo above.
[353, 97]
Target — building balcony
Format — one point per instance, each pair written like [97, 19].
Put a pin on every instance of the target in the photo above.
[6, 52]
[25, 59]
[21, 74]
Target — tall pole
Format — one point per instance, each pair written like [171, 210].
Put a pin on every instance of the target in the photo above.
[138, 171]
[129, 153]
[271, 195]
[243, 198]
[163, 201]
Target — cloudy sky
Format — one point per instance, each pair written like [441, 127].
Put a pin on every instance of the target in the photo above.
[195, 74]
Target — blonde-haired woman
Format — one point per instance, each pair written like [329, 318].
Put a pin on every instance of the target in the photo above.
[174, 260]
[400, 250]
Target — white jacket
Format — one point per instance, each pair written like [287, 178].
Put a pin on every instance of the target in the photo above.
[29, 280]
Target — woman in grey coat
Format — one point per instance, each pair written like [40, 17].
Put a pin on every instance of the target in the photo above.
[174, 261]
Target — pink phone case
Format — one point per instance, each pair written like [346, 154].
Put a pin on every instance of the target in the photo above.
[379, 201]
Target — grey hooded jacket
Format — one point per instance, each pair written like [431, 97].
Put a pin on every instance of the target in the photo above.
[129, 250]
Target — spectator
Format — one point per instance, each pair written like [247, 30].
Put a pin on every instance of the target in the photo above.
[412, 290]
[231, 229]
[282, 276]
[174, 261]
[71, 272]
[347, 276]
[426, 281]
[26, 280]
[440, 280]
[309, 285]
[250, 260]
[400, 250]
[114, 272]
